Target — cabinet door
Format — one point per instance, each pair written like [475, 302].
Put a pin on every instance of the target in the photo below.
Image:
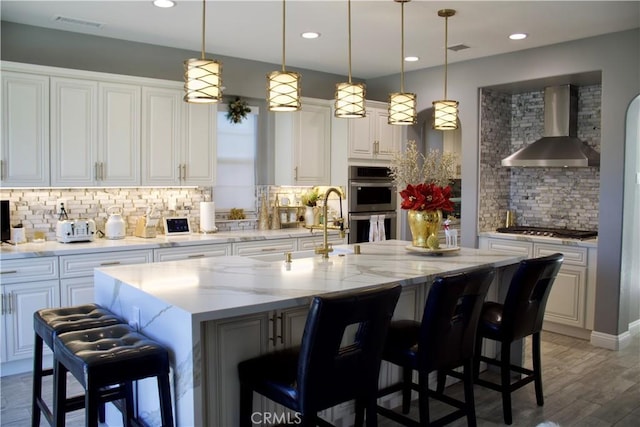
[161, 130]
[25, 130]
[229, 342]
[21, 300]
[312, 145]
[74, 132]
[76, 291]
[387, 136]
[119, 134]
[198, 158]
[362, 136]
[566, 304]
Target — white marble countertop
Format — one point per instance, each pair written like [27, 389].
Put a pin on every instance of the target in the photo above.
[589, 243]
[53, 248]
[221, 287]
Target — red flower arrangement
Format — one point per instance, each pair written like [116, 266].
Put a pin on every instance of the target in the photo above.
[426, 197]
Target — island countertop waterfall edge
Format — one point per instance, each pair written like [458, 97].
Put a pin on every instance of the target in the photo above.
[171, 302]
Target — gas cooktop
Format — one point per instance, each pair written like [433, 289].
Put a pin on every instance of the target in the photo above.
[550, 232]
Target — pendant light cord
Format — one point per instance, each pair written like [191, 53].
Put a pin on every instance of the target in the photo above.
[283, 32]
[446, 37]
[402, 48]
[203, 26]
[349, 17]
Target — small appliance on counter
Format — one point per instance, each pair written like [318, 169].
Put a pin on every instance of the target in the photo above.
[74, 230]
[115, 228]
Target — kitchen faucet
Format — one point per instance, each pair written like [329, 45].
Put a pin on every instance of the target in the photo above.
[326, 247]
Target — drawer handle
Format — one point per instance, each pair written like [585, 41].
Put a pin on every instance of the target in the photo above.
[9, 272]
[196, 256]
[105, 264]
[268, 249]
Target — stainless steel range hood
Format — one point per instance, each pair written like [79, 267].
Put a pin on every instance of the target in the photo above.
[560, 146]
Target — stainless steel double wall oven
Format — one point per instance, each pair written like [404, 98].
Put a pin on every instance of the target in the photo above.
[371, 192]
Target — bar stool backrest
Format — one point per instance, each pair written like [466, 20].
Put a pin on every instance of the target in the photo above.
[450, 319]
[333, 366]
[526, 300]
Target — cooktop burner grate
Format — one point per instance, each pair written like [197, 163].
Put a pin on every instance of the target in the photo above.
[549, 232]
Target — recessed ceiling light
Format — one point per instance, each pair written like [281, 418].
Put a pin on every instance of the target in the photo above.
[518, 36]
[310, 35]
[411, 58]
[163, 3]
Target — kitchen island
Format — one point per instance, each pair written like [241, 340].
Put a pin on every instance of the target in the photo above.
[213, 313]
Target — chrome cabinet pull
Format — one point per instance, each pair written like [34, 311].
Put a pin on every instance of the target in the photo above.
[2, 303]
[101, 171]
[184, 171]
[268, 249]
[295, 173]
[9, 272]
[281, 336]
[274, 329]
[196, 256]
[105, 264]
[1, 169]
[10, 300]
[96, 171]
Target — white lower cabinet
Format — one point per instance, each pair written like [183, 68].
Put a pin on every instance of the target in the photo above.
[191, 252]
[231, 341]
[571, 302]
[28, 285]
[76, 271]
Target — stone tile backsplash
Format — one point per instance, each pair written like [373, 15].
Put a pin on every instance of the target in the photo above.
[541, 197]
[36, 208]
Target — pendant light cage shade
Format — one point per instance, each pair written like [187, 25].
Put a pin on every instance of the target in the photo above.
[202, 81]
[349, 100]
[402, 109]
[445, 112]
[283, 91]
[445, 115]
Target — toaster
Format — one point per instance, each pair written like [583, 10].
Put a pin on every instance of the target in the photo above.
[75, 230]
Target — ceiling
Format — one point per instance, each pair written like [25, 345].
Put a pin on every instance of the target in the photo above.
[253, 29]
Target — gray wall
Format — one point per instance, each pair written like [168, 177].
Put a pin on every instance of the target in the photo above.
[617, 56]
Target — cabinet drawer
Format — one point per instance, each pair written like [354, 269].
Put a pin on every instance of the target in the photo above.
[83, 265]
[264, 246]
[510, 247]
[190, 252]
[29, 270]
[572, 255]
[314, 241]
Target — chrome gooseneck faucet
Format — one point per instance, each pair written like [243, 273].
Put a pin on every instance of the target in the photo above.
[326, 247]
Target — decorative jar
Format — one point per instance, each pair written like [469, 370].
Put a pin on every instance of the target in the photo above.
[424, 226]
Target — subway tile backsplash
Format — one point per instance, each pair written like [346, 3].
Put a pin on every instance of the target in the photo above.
[541, 197]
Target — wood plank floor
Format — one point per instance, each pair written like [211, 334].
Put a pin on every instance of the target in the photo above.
[584, 386]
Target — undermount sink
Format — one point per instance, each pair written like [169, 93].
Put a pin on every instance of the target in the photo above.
[301, 255]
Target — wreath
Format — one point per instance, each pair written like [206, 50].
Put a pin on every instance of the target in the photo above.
[238, 110]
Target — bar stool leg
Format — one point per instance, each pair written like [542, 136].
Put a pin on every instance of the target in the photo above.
[59, 394]
[537, 367]
[91, 404]
[505, 378]
[164, 391]
[407, 378]
[37, 381]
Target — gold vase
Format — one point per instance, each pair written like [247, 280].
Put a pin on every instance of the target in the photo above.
[424, 226]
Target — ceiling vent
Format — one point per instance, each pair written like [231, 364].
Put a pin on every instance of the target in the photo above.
[77, 22]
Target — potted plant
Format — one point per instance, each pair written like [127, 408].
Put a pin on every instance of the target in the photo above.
[310, 201]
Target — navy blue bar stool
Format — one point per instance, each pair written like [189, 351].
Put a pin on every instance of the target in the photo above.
[46, 324]
[106, 361]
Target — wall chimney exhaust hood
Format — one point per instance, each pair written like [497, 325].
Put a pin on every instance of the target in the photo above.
[559, 147]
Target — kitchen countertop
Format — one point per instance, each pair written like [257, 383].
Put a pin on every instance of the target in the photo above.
[588, 243]
[53, 248]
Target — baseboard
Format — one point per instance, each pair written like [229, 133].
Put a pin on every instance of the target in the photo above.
[610, 342]
[572, 331]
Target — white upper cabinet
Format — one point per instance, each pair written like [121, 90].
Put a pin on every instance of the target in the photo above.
[24, 148]
[303, 145]
[178, 139]
[372, 137]
[95, 133]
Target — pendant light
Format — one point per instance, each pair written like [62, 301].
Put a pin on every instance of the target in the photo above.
[402, 105]
[283, 87]
[349, 97]
[202, 77]
[445, 111]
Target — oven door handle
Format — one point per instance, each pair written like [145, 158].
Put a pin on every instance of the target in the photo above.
[389, 215]
[372, 184]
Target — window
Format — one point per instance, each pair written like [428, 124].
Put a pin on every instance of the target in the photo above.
[236, 176]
